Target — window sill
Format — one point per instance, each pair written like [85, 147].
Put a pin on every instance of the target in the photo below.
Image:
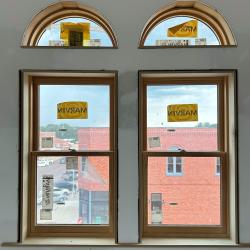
[153, 242]
[187, 242]
[62, 241]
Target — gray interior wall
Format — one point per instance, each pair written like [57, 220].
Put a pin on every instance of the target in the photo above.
[127, 18]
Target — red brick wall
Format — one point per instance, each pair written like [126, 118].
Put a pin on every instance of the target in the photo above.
[190, 139]
[196, 191]
[97, 178]
[93, 138]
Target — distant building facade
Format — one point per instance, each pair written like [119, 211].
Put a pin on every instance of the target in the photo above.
[181, 190]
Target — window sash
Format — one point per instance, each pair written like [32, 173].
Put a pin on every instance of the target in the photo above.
[183, 231]
[161, 81]
[73, 230]
[67, 81]
[34, 152]
[187, 231]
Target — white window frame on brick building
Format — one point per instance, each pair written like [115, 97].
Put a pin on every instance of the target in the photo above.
[174, 162]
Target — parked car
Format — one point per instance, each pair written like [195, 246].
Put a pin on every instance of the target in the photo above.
[69, 185]
[59, 195]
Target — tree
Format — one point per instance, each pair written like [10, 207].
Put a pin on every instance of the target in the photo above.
[206, 125]
[63, 131]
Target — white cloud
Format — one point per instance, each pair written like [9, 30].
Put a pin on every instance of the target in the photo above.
[159, 97]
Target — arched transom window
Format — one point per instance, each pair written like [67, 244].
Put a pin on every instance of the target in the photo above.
[186, 23]
[69, 24]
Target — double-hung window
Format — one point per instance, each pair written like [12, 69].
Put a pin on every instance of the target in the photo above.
[174, 166]
[189, 109]
[69, 145]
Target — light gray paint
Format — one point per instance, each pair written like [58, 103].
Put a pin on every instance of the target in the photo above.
[127, 18]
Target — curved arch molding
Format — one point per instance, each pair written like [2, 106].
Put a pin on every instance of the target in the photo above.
[61, 10]
[198, 10]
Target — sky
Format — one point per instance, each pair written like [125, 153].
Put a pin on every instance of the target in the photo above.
[96, 96]
[159, 97]
[160, 31]
[52, 32]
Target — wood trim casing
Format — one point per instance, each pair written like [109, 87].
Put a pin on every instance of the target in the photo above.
[98, 231]
[147, 231]
[61, 10]
[195, 9]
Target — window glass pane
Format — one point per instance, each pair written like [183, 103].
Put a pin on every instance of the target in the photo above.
[67, 196]
[75, 31]
[156, 197]
[218, 161]
[192, 199]
[178, 169]
[170, 160]
[218, 168]
[187, 135]
[170, 168]
[175, 31]
[178, 160]
[84, 165]
[90, 133]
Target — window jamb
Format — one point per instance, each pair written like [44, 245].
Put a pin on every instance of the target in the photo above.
[87, 231]
[144, 79]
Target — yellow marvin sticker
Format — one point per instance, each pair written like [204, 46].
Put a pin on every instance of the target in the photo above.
[182, 113]
[187, 29]
[75, 34]
[72, 110]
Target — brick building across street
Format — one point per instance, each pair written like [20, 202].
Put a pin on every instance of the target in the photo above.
[180, 190]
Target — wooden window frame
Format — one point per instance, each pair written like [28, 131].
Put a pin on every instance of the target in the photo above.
[61, 10]
[198, 10]
[226, 229]
[30, 109]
